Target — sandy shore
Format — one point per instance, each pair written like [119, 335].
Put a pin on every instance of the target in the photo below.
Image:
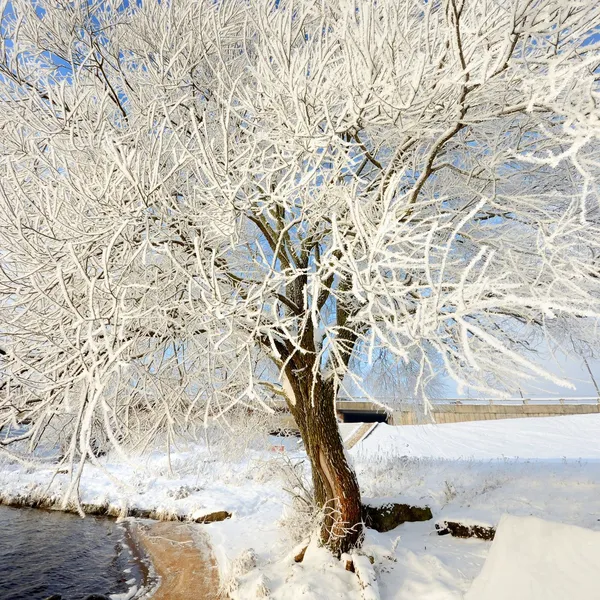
[182, 557]
[179, 551]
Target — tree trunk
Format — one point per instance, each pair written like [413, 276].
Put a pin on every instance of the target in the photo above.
[335, 485]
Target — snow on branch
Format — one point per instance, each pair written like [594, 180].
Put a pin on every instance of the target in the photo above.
[195, 194]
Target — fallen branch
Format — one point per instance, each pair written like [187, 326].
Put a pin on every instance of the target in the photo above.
[366, 576]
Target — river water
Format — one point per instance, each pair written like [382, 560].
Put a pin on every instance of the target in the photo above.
[43, 553]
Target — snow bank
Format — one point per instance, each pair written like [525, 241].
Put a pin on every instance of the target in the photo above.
[569, 437]
[534, 559]
[186, 484]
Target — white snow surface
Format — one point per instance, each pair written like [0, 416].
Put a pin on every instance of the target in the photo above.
[538, 467]
[534, 559]
[571, 437]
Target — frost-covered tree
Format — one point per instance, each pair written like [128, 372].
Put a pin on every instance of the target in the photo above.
[204, 203]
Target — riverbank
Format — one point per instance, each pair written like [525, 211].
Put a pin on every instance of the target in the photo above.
[38, 500]
[469, 472]
[228, 497]
[171, 557]
[191, 485]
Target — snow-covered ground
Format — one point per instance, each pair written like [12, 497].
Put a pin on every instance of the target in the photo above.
[535, 559]
[478, 471]
[552, 438]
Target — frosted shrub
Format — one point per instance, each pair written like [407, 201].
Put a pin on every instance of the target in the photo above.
[302, 516]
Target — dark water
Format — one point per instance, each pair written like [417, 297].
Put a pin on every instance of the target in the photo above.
[44, 553]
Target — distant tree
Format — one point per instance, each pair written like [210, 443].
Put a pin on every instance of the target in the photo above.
[205, 202]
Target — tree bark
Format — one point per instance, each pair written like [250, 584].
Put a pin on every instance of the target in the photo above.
[335, 485]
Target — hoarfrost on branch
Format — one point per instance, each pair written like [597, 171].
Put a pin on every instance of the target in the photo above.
[193, 192]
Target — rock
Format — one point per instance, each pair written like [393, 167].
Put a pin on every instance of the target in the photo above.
[54, 597]
[96, 597]
[460, 530]
[95, 509]
[220, 515]
[389, 516]
[300, 556]
[154, 514]
[140, 513]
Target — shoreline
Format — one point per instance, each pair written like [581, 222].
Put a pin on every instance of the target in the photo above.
[136, 569]
[173, 559]
[112, 511]
[182, 558]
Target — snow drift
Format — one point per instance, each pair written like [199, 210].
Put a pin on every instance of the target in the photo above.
[535, 559]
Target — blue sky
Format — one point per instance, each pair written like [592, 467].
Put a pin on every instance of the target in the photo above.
[570, 368]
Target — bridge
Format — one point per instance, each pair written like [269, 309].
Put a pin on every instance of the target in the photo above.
[456, 410]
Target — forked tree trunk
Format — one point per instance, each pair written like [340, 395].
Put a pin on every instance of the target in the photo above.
[335, 484]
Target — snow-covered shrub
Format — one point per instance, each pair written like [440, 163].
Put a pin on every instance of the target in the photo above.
[262, 589]
[244, 563]
[229, 439]
[301, 517]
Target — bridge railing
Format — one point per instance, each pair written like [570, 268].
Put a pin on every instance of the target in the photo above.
[544, 401]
